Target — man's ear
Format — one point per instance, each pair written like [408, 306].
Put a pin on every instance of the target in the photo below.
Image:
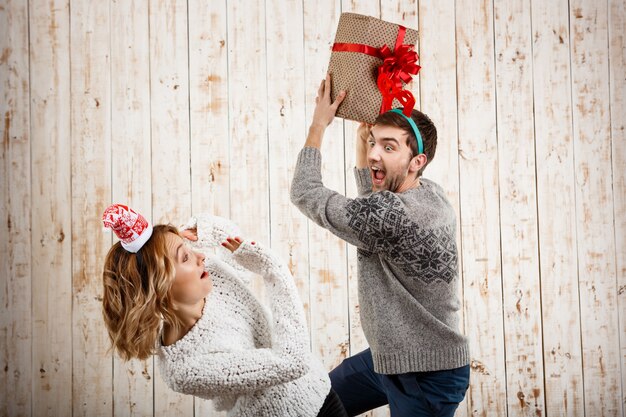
[417, 162]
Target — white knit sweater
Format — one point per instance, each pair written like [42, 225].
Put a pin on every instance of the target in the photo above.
[235, 355]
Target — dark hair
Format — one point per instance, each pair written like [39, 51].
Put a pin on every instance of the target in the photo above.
[424, 125]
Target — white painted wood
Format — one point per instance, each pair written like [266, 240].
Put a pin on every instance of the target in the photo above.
[208, 100]
[594, 207]
[247, 86]
[480, 229]
[327, 253]
[208, 97]
[15, 209]
[617, 94]
[226, 139]
[556, 209]
[91, 160]
[285, 115]
[518, 209]
[49, 33]
[169, 104]
[131, 167]
[437, 80]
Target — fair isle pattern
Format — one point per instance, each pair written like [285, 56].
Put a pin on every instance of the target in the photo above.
[383, 225]
[408, 301]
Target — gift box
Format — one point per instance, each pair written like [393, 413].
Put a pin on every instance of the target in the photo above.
[372, 60]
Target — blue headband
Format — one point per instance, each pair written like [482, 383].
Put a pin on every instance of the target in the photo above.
[418, 136]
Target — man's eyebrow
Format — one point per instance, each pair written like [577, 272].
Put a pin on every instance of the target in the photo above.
[390, 140]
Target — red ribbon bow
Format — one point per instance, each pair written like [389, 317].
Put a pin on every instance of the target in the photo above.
[397, 67]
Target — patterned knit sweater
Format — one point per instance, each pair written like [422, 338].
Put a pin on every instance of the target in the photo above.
[407, 266]
[235, 355]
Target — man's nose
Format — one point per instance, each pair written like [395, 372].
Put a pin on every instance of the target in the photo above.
[373, 154]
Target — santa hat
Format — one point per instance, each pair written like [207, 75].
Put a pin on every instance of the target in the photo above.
[131, 227]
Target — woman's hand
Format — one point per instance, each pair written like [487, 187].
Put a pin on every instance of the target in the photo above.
[362, 148]
[363, 132]
[325, 109]
[232, 244]
[190, 234]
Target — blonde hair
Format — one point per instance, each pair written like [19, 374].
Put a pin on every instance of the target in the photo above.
[136, 298]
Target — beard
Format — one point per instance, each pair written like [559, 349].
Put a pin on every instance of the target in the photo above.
[396, 181]
[393, 181]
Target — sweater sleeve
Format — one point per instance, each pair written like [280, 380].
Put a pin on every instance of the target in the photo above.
[212, 231]
[290, 330]
[234, 372]
[374, 222]
[363, 181]
[237, 372]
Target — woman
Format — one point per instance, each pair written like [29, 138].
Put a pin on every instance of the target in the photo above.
[212, 336]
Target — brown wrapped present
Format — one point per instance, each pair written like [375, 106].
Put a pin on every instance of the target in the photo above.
[372, 60]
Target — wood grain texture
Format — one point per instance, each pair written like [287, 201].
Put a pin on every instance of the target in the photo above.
[479, 185]
[247, 101]
[91, 159]
[208, 98]
[51, 207]
[518, 209]
[15, 210]
[556, 201]
[177, 107]
[133, 381]
[594, 207]
[617, 82]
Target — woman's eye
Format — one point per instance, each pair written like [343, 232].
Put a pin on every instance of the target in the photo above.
[370, 143]
[388, 148]
[185, 258]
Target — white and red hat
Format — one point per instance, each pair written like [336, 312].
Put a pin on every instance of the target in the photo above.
[131, 228]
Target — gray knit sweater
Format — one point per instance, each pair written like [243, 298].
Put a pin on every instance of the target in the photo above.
[407, 266]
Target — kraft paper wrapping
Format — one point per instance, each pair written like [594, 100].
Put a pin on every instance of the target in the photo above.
[356, 72]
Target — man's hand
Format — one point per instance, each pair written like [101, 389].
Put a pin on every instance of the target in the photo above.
[325, 109]
[324, 113]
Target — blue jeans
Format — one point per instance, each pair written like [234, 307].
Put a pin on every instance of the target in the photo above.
[435, 393]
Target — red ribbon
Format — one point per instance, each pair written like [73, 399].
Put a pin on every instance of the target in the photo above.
[397, 67]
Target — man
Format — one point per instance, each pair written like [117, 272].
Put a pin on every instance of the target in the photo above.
[404, 229]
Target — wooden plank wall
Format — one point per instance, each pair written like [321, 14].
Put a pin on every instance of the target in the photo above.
[178, 107]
